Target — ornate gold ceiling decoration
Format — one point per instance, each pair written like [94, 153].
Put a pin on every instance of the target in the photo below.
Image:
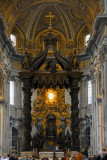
[39, 22]
[46, 20]
[17, 7]
[76, 15]
[70, 16]
[24, 15]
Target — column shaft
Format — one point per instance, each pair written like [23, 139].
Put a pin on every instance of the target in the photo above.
[27, 119]
[75, 117]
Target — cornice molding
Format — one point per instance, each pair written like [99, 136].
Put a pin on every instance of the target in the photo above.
[96, 39]
[3, 101]
[6, 43]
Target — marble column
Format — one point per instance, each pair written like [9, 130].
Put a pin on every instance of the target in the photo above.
[27, 119]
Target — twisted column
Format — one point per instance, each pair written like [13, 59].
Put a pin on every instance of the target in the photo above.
[27, 119]
[74, 89]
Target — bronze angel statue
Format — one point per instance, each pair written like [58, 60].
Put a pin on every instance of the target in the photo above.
[74, 59]
[28, 60]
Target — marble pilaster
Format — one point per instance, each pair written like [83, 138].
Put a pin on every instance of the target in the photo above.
[5, 120]
[103, 58]
[93, 136]
[96, 138]
[104, 98]
[105, 5]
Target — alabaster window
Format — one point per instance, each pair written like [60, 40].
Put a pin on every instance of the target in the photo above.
[89, 92]
[87, 39]
[12, 92]
[13, 39]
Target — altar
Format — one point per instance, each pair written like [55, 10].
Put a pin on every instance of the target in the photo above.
[50, 155]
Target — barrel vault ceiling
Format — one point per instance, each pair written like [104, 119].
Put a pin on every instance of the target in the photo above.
[28, 17]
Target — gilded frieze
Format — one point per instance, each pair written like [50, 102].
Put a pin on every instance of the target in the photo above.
[42, 68]
[16, 64]
[84, 64]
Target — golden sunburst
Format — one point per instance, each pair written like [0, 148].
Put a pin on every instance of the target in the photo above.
[50, 96]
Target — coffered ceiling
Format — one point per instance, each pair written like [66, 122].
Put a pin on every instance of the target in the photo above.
[69, 11]
[28, 17]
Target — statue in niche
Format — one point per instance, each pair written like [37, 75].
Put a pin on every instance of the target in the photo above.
[51, 66]
[38, 140]
[51, 129]
[68, 140]
[64, 141]
[61, 140]
[28, 60]
[74, 61]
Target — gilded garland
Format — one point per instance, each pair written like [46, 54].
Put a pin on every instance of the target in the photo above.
[50, 101]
